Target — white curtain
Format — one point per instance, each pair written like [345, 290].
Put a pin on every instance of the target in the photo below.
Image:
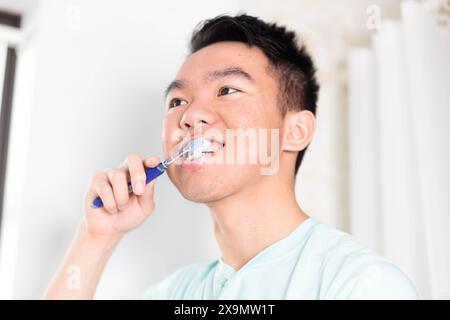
[399, 130]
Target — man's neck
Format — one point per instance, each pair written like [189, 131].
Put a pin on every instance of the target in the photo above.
[248, 222]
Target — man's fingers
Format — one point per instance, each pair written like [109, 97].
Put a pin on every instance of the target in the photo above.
[151, 162]
[137, 173]
[105, 192]
[119, 183]
[146, 199]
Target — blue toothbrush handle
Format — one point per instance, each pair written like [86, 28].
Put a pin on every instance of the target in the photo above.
[151, 174]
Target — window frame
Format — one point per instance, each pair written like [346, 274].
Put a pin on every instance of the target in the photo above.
[10, 20]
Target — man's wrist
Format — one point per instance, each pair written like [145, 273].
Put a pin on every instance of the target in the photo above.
[101, 242]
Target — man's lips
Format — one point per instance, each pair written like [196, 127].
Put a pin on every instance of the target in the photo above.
[210, 148]
[189, 159]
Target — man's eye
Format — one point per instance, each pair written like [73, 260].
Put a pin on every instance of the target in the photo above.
[176, 102]
[227, 90]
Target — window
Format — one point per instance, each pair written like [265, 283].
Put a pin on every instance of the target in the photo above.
[7, 72]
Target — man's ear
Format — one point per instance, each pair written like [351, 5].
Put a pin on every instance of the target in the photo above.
[299, 127]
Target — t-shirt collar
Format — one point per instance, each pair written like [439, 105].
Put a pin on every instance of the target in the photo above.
[275, 251]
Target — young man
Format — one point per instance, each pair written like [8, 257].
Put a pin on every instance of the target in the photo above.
[242, 75]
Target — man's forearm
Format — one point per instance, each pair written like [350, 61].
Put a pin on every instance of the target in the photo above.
[78, 276]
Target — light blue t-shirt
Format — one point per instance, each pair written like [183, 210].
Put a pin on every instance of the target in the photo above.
[315, 261]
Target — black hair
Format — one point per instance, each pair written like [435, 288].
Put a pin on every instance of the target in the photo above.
[291, 62]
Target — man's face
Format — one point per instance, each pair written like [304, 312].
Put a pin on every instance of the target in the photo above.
[221, 88]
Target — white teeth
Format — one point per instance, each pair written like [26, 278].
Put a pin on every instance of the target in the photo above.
[214, 147]
[201, 146]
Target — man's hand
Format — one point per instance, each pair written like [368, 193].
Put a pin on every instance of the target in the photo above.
[121, 211]
[102, 228]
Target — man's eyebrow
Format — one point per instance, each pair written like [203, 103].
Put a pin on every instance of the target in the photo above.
[229, 71]
[211, 76]
[175, 84]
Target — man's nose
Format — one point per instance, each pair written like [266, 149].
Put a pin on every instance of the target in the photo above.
[196, 115]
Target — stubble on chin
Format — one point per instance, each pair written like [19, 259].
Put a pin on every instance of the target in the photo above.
[201, 191]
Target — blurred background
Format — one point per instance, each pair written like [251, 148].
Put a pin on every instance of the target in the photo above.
[82, 86]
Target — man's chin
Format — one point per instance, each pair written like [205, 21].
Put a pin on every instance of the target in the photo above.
[200, 192]
[199, 187]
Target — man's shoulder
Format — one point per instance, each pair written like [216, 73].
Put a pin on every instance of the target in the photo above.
[178, 281]
[332, 245]
[349, 270]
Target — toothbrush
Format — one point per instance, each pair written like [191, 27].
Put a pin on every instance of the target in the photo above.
[195, 149]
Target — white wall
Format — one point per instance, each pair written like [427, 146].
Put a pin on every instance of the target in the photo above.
[95, 95]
